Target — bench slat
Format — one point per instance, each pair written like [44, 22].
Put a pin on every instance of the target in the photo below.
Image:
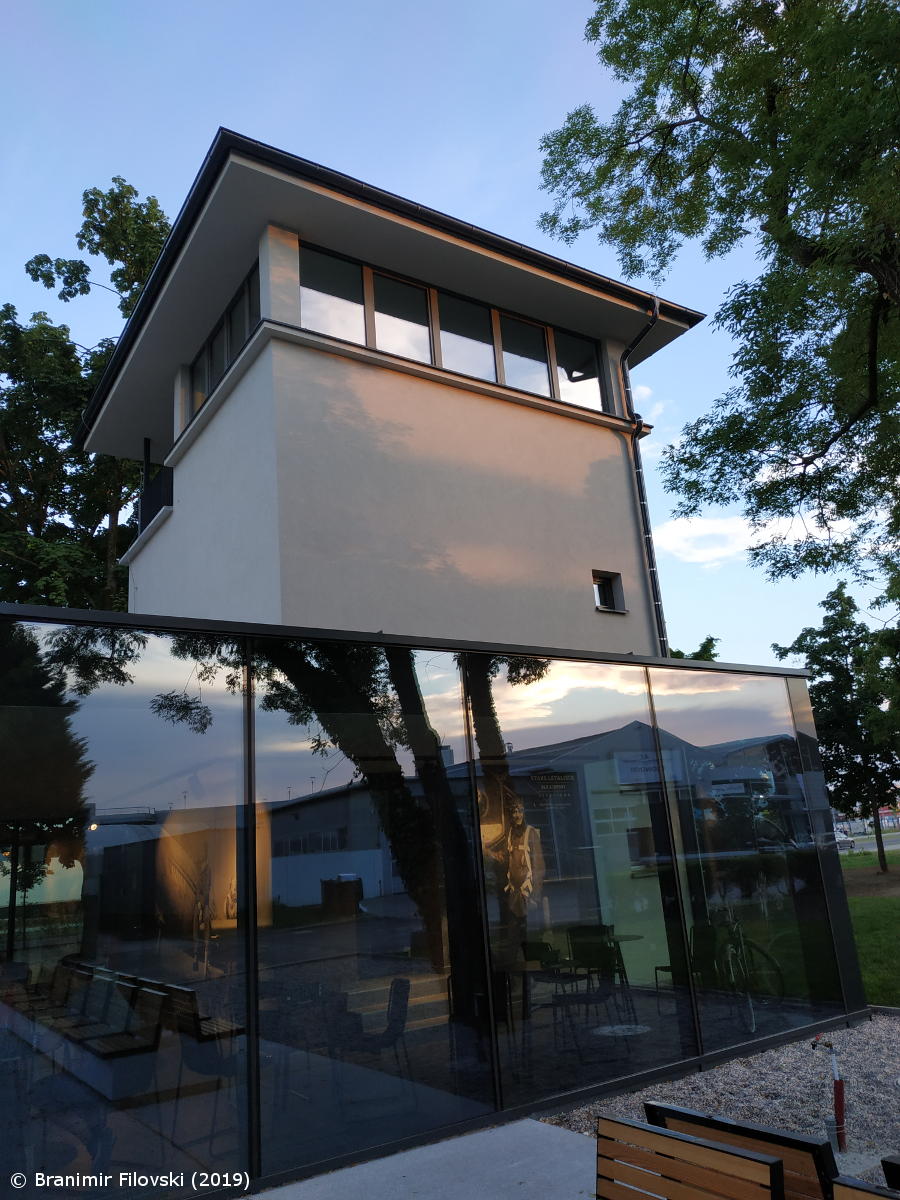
[624, 1163]
[801, 1179]
[693, 1150]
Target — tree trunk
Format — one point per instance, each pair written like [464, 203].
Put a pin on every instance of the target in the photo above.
[346, 715]
[879, 836]
[459, 883]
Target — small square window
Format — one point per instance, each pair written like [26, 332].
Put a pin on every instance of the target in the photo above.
[608, 592]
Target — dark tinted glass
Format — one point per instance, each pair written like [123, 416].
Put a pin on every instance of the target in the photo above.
[373, 1015]
[577, 370]
[253, 297]
[401, 319]
[761, 952]
[217, 360]
[524, 356]
[587, 946]
[467, 343]
[237, 324]
[331, 296]
[199, 385]
[123, 1032]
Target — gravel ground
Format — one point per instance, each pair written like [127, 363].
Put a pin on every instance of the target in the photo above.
[789, 1088]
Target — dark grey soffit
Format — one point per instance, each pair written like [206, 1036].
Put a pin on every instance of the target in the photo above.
[168, 624]
[226, 142]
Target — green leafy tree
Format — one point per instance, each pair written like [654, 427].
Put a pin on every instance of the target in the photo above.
[705, 652]
[859, 734]
[61, 511]
[775, 121]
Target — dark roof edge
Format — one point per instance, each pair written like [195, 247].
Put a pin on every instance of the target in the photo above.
[227, 142]
[172, 624]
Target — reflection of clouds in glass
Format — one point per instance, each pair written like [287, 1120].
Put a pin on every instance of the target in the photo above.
[664, 682]
[525, 374]
[756, 707]
[467, 356]
[406, 338]
[301, 744]
[570, 688]
[332, 315]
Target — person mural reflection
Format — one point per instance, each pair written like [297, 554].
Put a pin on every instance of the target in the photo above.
[519, 862]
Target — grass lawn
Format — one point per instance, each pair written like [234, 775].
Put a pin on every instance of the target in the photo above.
[875, 909]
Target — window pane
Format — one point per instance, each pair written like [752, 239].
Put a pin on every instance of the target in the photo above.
[762, 957]
[331, 296]
[577, 370]
[524, 356]
[587, 948]
[401, 319]
[467, 342]
[123, 1032]
[237, 325]
[253, 294]
[217, 356]
[373, 1024]
[199, 390]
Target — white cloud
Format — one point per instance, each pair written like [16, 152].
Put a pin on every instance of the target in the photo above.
[641, 392]
[709, 541]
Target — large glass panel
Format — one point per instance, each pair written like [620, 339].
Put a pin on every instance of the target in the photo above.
[401, 319]
[253, 296]
[761, 954]
[199, 381]
[331, 296]
[374, 1009]
[467, 340]
[524, 356]
[238, 316]
[122, 980]
[217, 360]
[586, 938]
[577, 370]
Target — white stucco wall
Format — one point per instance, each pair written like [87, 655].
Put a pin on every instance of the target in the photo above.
[415, 508]
[217, 555]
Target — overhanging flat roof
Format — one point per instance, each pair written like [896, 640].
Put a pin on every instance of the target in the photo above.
[242, 187]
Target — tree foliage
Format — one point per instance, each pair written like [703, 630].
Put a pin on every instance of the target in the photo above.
[776, 120]
[61, 510]
[859, 733]
[705, 652]
[127, 232]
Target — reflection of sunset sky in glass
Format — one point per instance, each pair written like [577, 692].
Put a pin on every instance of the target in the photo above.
[143, 761]
[731, 707]
[572, 700]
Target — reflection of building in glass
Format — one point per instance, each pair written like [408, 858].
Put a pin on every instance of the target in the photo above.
[511, 874]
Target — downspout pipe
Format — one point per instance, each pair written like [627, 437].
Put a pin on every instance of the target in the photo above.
[637, 430]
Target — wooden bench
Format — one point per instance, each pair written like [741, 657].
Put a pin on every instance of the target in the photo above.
[809, 1165]
[635, 1160]
[846, 1188]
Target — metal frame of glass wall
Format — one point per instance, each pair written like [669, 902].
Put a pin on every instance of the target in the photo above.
[272, 898]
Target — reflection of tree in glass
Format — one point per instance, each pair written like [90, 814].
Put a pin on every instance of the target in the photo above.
[365, 702]
[481, 671]
[44, 768]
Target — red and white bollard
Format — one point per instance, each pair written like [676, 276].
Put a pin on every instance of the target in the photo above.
[840, 1124]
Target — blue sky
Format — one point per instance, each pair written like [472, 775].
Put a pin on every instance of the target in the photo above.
[444, 104]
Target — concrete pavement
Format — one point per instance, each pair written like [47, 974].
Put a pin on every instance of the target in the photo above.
[525, 1160]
